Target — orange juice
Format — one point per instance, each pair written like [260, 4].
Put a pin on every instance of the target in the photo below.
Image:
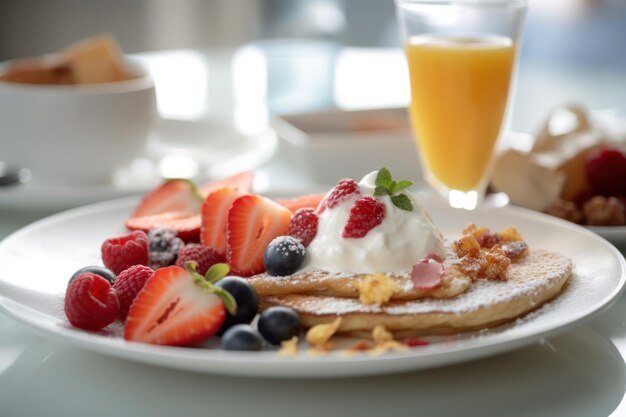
[459, 90]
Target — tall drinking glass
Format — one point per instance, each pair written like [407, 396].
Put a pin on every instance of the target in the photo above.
[461, 56]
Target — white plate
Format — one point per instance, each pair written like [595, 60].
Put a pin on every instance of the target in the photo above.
[614, 234]
[36, 262]
[203, 149]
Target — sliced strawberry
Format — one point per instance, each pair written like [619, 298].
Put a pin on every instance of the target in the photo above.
[253, 222]
[303, 201]
[173, 195]
[215, 216]
[184, 195]
[173, 310]
[242, 182]
[185, 224]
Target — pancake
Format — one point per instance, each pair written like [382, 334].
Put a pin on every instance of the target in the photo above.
[532, 281]
[340, 284]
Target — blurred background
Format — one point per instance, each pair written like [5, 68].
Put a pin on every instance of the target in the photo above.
[313, 50]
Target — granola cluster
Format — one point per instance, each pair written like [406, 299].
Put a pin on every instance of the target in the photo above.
[483, 254]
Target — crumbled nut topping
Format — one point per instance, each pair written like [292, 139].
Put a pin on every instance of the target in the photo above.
[467, 245]
[381, 335]
[376, 289]
[320, 334]
[289, 347]
[483, 254]
[384, 341]
[510, 234]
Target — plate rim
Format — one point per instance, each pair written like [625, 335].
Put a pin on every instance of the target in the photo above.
[302, 366]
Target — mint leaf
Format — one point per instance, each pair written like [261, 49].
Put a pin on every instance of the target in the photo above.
[401, 186]
[402, 201]
[383, 179]
[385, 185]
[381, 191]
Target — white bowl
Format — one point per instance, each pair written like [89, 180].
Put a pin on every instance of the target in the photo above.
[349, 144]
[76, 134]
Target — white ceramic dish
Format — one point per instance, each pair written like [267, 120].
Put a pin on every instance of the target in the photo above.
[209, 147]
[344, 144]
[61, 244]
[614, 234]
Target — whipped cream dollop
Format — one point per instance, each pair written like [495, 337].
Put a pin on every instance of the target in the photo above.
[399, 242]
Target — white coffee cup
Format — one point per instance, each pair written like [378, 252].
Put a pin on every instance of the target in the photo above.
[77, 134]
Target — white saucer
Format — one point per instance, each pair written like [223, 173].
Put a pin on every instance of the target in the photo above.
[202, 150]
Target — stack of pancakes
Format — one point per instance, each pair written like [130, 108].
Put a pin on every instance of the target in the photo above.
[459, 304]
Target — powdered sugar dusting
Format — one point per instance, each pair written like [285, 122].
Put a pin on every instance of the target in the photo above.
[530, 277]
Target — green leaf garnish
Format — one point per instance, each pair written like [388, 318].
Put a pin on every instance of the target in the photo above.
[383, 179]
[229, 301]
[194, 187]
[402, 201]
[381, 190]
[216, 272]
[385, 185]
[402, 185]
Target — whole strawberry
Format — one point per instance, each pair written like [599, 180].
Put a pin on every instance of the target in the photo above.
[122, 252]
[128, 284]
[203, 255]
[90, 302]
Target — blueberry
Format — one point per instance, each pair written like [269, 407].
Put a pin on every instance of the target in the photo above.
[242, 337]
[247, 301]
[277, 324]
[284, 256]
[164, 247]
[95, 269]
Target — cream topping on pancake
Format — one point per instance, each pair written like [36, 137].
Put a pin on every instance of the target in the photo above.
[399, 242]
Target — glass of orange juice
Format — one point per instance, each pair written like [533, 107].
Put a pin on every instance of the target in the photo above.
[461, 57]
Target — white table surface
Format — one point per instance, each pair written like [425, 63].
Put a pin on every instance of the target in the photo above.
[578, 373]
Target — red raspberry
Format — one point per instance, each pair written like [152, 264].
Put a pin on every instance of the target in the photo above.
[90, 302]
[339, 193]
[203, 255]
[128, 284]
[606, 171]
[365, 214]
[122, 252]
[303, 225]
